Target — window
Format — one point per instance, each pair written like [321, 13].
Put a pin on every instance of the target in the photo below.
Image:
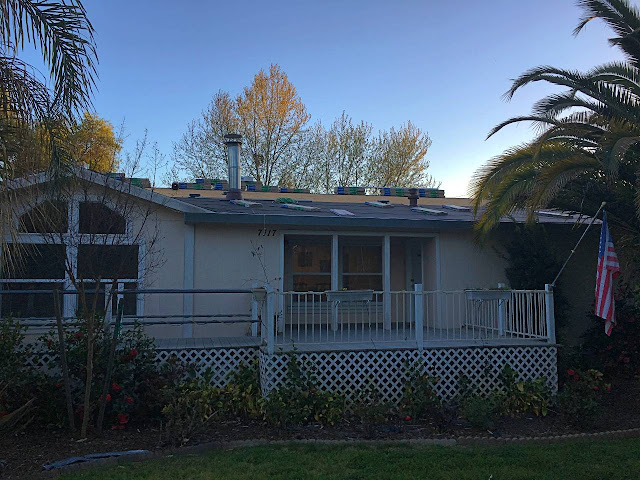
[95, 217]
[361, 262]
[108, 261]
[35, 261]
[308, 263]
[49, 217]
[38, 305]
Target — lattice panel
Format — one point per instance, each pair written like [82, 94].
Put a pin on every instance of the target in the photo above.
[222, 361]
[347, 372]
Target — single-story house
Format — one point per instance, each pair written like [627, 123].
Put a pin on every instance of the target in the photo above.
[355, 284]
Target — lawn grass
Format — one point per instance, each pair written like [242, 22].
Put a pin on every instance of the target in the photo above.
[609, 460]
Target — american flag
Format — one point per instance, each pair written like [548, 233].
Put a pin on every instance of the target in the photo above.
[608, 269]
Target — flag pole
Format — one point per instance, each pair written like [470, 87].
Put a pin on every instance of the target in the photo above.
[580, 240]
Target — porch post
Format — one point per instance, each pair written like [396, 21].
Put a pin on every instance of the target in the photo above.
[418, 312]
[335, 268]
[187, 298]
[271, 338]
[386, 282]
[550, 315]
[254, 313]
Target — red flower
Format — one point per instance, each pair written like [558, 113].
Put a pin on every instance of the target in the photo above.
[49, 342]
[78, 335]
[133, 353]
[576, 377]
[595, 387]
[407, 418]
[116, 387]
[571, 372]
[129, 400]
[59, 384]
[608, 388]
[123, 418]
[626, 360]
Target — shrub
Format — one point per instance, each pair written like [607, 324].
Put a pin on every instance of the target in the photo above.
[242, 396]
[133, 369]
[481, 412]
[19, 383]
[299, 402]
[618, 354]
[367, 406]
[580, 398]
[190, 408]
[523, 397]
[419, 398]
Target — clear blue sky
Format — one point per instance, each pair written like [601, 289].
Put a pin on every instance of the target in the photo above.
[442, 65]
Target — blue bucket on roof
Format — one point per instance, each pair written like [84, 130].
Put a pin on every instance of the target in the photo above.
[199, 180]
[183, 185]
[251, 187]
[284, 190]
[422, 192]
[340, 190]
[217, 186]
[386, 191]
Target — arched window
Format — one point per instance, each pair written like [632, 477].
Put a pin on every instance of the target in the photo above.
[95, 217]
[48, 217]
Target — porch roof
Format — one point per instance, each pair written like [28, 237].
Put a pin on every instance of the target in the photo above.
[397, 216]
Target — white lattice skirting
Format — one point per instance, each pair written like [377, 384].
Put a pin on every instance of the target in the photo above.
[347, 372]
[221, 361]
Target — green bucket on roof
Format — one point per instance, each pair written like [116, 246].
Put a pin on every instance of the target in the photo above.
[285, 200]
[265, 188]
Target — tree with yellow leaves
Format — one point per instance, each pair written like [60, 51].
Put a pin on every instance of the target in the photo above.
[399, 158]
[94, 143]
[271, 115]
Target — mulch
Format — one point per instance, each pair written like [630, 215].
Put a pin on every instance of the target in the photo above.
[23, 455]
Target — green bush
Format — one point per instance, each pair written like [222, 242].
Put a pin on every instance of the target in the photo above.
[368, 408]
[580, 398]
[523, 397]
[299, 402]
[190, 408]
[481, 412]
[419, 398]
[242, 396]
[129, 394]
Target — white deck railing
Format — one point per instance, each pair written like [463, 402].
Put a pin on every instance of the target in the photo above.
[409, 318]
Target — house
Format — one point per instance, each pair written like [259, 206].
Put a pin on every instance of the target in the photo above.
[354, 285]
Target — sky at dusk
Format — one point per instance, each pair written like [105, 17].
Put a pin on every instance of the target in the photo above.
[442, 65]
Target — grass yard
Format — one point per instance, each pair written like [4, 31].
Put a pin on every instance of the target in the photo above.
[610, 460]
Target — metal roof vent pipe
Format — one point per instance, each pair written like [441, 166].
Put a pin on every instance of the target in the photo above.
[413, 197]
[233, 141]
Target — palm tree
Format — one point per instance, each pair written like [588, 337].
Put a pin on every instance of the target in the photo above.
[588, 146]
[30, 111]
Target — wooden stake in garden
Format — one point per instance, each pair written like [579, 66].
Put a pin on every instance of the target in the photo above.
[63, 362]
[107, 376]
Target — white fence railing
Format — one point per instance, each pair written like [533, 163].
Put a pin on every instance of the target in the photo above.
[409, 318]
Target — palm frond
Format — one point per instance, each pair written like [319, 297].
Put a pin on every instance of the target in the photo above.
[64, 35]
